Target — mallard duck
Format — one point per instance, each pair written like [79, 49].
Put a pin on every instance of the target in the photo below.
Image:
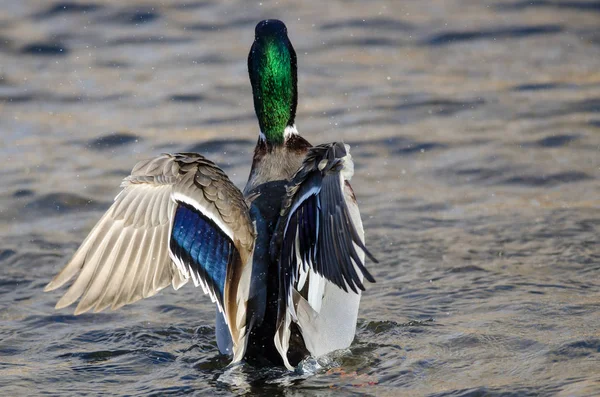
[284, 261]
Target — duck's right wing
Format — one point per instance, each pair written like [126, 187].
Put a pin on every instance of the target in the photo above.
[177, 217]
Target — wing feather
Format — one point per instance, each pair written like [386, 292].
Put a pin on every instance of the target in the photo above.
[76, 263]
[78, 287]
[101, 263]
[156, 261]
[127, 269]
[120, 266]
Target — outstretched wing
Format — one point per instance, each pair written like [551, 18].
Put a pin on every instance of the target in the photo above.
[315, 231]
[177, 217]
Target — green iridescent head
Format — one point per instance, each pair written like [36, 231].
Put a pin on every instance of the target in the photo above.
[272, 70]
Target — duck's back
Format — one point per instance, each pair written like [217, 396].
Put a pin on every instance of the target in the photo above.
[272, 168]
[272, 163]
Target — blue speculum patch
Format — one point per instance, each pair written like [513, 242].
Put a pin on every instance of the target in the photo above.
[199, 242]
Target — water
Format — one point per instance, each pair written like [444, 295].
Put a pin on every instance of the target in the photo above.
[475, 128]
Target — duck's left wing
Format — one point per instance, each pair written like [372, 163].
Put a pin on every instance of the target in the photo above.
[316, 232]
[315, 229]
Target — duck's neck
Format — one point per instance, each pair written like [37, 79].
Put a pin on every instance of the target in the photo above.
[272, 69]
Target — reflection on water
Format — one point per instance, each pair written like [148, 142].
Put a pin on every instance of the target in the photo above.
[475, 128]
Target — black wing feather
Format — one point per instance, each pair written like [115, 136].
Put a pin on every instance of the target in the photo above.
[316, 226]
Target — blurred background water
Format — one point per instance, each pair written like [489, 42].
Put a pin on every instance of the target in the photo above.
[475, 129]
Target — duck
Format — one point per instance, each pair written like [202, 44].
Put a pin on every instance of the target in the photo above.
[283, 260]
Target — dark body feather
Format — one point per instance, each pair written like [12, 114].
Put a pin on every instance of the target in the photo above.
[272, 168]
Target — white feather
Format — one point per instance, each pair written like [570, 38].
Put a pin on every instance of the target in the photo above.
[289, 131]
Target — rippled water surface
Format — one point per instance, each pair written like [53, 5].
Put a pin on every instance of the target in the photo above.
[475, 129]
